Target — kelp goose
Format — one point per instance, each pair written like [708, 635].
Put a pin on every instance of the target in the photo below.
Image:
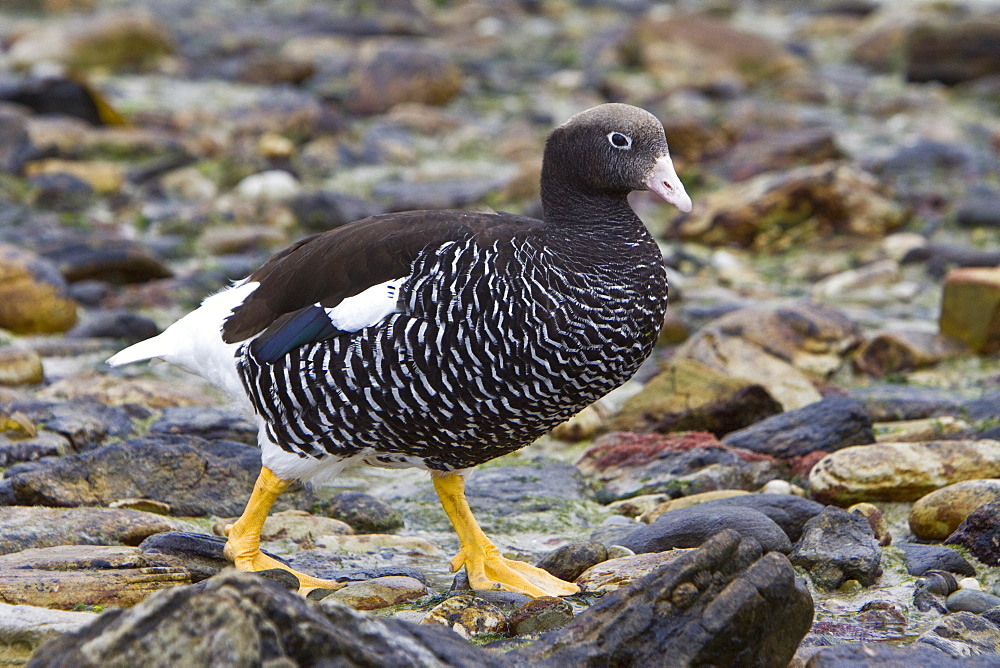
[442, 339]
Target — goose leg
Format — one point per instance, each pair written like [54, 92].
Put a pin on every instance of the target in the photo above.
[243, 544]
[486, 568]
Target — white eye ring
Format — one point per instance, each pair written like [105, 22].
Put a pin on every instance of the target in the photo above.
[620, 141]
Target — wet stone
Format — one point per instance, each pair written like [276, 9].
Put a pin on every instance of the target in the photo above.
[789, 512]
[379, 592]
[363, 513]
[828, 425]
[618, 572]
[61, 192]
[15, 144]
[185, 624]
[32, 294]
[970, 600]
[571, 560]
[922, 558]
[889, 403]
[901, 471]
[20, 366]
[110, 260]
[730, 604]
[25, 628]
[837, 546]
[690, 527]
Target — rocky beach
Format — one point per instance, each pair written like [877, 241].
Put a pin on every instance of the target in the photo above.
[806, 472]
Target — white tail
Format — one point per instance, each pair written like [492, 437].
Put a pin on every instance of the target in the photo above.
[195, 343]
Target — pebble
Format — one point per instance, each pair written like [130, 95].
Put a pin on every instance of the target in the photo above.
[971, 600]
[570, 560]
[936, 515]
[273, 185]
[924, 429]
[687, 501]
[468, 615]
[690, 527]
[616, 573]
[378, 592]
[33, 294]
[922, 558]
[876, 520]
[901, 471]
[20, 366]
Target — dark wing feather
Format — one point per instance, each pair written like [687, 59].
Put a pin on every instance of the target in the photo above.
[329, 267]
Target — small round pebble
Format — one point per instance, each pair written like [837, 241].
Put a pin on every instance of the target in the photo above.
[971, 600]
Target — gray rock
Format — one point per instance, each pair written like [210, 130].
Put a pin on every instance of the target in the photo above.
[921, 558]
[722, 605]
[262, 624]
[787, 511]
[852, 655]
[43, 444]
[539, 615]
[888, 403]
[828, 425]
[114, 324]
[26, 527]
[363, 512]
[571, 560]
[837, 546]
[986, 407]
[206, 422]
[964, 634]
[86, 423]
[971, 600]
[193, 476]
[692, 526]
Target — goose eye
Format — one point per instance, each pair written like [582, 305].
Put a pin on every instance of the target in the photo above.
[620, 141]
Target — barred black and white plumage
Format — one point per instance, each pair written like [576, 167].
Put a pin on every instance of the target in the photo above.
[490, 348]
[443, 339]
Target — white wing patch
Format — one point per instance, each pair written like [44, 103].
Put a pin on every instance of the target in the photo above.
[368, 307]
